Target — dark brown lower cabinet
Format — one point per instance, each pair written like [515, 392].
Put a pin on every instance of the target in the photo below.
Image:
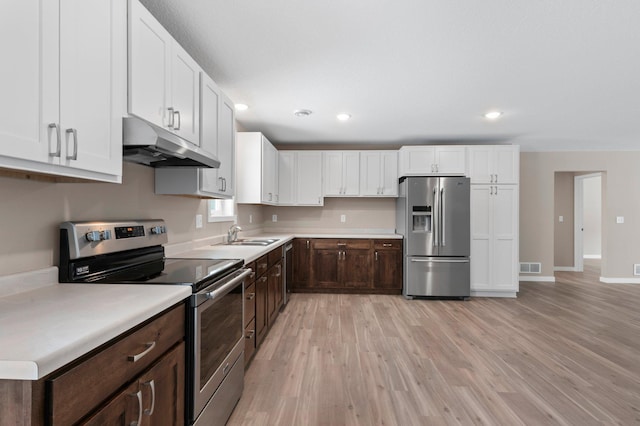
[301, 272]
[387, 264]
[262, 318]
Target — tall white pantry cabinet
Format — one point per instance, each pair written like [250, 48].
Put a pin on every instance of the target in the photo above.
[494, 173]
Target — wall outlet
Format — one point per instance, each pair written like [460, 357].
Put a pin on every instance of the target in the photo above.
[619, 219]
[560, 219]
[250, 218]
[636, 269]
[343, 218]
[198, 221]
[274, 218]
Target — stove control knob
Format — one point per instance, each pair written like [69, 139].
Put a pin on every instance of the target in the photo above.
[105, 235]
[157, 230]
[93, 236]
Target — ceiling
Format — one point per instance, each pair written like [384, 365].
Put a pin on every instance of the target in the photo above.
[565, 73]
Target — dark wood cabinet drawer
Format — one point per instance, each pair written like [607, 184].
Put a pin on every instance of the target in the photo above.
[252, 278]
[262, 264]
[249, 303]
[341, 244]
[275, 256]
[86, 385]
[249, 341]
[387, 244]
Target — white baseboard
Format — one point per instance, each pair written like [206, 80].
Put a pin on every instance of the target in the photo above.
[480, 293]
[608, 280]
[537, 279]
[592, 256]
[565, 268]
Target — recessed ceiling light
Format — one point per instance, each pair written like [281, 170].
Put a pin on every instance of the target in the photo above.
[302, 112]
[492, 115]
[241, 107]
[343, 116]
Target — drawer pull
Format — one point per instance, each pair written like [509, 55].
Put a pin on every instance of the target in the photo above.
[342, 244]
[152, 385]
[136, 358]
[225, 369]
[250, 334]
[138, 395]
[263, 279]
[387, 245]
[250, 296]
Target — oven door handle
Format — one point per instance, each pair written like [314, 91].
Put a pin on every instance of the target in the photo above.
[227, 287]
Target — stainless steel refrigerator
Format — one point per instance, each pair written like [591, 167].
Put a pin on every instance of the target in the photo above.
[433, 216]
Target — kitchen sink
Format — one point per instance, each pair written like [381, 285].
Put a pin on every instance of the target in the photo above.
[253, 242]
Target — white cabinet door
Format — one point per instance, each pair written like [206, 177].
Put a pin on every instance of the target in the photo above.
[149, 67]
[417, 160]
[332, 173]
[308, 178]
[342, 173]
[494, 164]
[185, 95]
[30, 85]
[227, 144]
[379, 173]
[494, 239]
[286, 177]
[450, 159]
[269, 173]
[351, 173]
[209, 111]
[92, 84]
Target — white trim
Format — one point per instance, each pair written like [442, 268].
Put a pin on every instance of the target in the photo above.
[480, 293]
[592, 256]
[565, 268]
[540, 279]
[608, 280]
[578, 223]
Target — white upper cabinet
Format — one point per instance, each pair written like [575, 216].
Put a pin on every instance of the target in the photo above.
[163, 78]
[257, 169]
[300, 178]
[341, 173]
[432, 160]
[217, 136]
[67, 88]
[494, 164]
[379, 173]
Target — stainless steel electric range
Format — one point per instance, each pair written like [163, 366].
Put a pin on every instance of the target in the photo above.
[131, 252]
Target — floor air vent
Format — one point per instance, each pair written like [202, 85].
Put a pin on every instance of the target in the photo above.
[530, 267]
[636, 269]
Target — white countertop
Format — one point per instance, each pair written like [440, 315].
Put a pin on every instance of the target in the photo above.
[41, 330]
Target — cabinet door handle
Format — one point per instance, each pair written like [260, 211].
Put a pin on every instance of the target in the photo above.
[178, 114]
[250, 334]
[224, 180]
[221, 184]
[376, 256]
[263, 279]
[270, 196]
[152, 385]
[136, 358]
[342, 244]
[58, 140]
[496, 175]
[138, 395]
[387, 245]
[307, 244]
[250, 296]
[171, 117]
[74, 156]
[279, 270]
[496, 193]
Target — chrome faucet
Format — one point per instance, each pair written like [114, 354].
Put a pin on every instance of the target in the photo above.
[232, 234]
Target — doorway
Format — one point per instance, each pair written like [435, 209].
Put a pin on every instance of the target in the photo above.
[587, 220]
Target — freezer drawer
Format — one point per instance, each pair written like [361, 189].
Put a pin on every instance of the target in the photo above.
[436, 277]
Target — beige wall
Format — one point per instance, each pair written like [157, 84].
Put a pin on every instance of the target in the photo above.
[592, 216]
[621, 197]
[563, 231]
[250, 216]
[30, 213]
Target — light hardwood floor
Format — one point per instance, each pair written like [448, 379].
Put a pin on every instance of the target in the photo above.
[566, 353]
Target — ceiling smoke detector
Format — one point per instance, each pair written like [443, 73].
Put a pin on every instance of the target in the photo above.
[302, 112]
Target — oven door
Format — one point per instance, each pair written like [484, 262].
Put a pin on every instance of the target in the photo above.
[217, 336]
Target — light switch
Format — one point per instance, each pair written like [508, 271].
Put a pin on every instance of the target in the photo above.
[560, 219]
[619, 219]
[198, 221]
[343, 218]
[274, 218]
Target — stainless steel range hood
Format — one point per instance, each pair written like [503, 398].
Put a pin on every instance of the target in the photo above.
[148, 144]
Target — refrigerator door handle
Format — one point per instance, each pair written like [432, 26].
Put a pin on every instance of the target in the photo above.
[439, 261]
[435, 217]
[443, 217]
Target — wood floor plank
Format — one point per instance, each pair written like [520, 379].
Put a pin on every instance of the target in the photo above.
[564, 353]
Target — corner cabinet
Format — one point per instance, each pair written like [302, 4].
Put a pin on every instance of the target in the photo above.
[163, 78]
[217, 136]
[432, 160]
[66, 95]
[300, 178]
[257, 169]
[379, 173]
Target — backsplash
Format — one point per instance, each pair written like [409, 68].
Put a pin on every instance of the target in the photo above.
[31, 212]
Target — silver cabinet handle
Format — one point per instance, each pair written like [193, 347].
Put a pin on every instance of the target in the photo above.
[178, 114]
[387, 245]
[139, 396]
[318, 200]
[342, 244]
[496, 178]
[279, 273]
[224, 180]
[491, 190]
[136, 358]
[270, 196]
[221, 184]
[376, 255]
[250, 296]
[496, 191]
[74, 156]
[250, 334]
[152, 385]
[307, 244]
[58, 140]
[171, 117]
[443, 217]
